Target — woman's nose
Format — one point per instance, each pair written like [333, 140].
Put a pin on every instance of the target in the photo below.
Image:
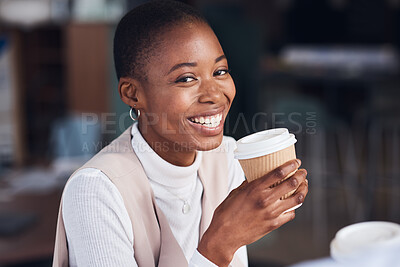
[210, 92]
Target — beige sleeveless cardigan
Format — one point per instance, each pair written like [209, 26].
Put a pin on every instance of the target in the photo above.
[154, 242]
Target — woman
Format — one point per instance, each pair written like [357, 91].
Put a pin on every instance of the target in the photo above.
[163, 193]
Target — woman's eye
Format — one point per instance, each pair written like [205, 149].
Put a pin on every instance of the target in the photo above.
[185, 79]
[221, 72]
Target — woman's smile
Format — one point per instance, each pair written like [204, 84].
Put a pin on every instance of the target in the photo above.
[209, 122]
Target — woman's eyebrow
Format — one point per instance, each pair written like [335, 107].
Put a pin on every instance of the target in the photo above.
[220, 58]
[192, 64]
[180, 65]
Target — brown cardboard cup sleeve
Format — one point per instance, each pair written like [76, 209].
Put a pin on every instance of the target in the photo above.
[262, 152]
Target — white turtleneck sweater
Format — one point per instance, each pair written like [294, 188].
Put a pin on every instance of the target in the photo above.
[98, 227]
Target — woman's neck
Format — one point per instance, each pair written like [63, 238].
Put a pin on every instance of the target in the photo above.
[170, 154]
[170, 151]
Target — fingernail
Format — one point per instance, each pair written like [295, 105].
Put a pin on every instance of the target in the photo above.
[298, 161]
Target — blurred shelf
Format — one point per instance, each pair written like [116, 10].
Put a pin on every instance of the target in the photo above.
[59, 70]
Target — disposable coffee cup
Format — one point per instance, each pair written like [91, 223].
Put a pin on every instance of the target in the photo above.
[262, 152]
[358, 241]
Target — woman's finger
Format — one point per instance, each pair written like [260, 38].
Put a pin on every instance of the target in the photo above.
[278, 174]
[294, 200]
[289, 185]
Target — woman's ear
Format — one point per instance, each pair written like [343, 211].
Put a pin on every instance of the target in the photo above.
[129, 91]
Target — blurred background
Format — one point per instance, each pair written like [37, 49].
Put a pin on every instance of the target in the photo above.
[328, 70]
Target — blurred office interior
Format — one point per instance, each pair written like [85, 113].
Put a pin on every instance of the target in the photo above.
[328, 70]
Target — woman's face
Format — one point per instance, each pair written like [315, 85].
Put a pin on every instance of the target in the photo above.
[187, 91]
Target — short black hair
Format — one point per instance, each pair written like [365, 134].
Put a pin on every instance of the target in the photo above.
[138, 31]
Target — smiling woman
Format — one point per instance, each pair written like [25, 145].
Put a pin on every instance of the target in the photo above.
[168, 191]
[187, 78]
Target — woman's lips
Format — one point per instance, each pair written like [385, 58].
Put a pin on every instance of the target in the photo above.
[208, 125]
[208, 121]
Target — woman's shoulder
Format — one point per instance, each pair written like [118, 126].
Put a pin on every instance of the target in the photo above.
[90, 185]
[116, 159]
[89, 191]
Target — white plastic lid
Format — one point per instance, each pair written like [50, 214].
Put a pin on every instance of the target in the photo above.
[352, 241]
[263, 143]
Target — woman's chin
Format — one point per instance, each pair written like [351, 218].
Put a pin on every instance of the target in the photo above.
[210, 143]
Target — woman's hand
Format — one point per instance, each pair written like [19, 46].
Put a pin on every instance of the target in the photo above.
[251, 211]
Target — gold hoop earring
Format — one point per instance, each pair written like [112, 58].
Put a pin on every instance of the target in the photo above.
[131, 114]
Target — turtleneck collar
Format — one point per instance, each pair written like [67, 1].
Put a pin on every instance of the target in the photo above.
[165, 173]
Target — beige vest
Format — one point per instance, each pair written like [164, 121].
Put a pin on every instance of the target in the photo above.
[154, 242]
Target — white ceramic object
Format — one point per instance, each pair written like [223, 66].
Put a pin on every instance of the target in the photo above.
[357, 240]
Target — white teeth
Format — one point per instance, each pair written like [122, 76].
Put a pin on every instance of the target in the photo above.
[210, 121]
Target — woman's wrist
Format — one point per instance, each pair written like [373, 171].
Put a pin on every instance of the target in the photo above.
[215, 251]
